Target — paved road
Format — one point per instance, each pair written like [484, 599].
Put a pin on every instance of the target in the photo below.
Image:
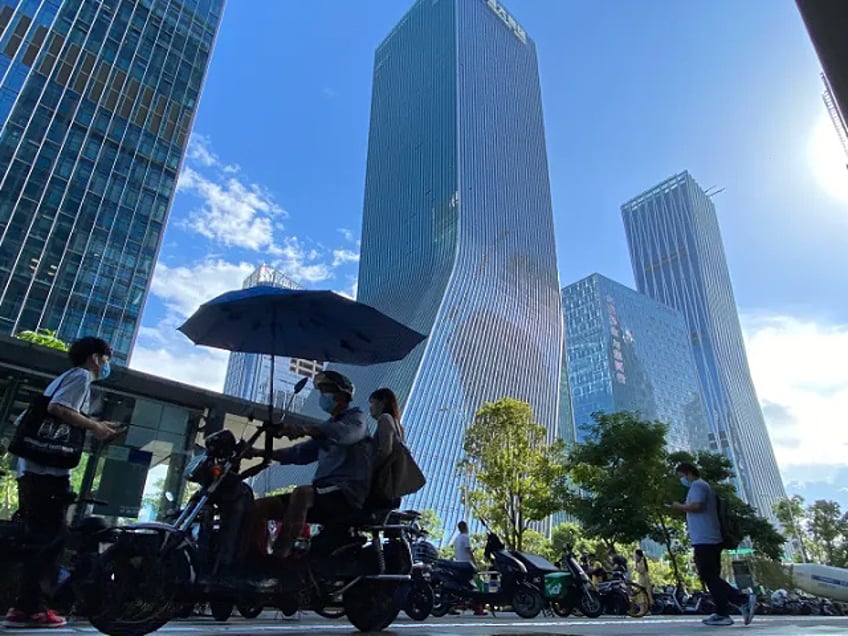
[502, 626]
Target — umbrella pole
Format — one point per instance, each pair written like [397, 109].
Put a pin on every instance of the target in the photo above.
[271, 396]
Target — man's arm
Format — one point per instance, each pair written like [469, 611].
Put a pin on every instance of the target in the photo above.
[697, 499]
[300, 454]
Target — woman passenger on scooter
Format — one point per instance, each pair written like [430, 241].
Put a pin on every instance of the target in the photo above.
[343, 476]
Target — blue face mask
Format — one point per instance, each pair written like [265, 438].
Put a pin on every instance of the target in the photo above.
[327, 402]
[105, 371]
[684, 482]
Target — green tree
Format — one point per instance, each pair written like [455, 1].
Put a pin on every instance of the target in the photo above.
[829, 531]
[432, 523]
[617, 473]
[570, 533]
[513, 475]
[790, 513]
[43, 337]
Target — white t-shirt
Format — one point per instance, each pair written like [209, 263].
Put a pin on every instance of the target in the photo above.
[462, 549]
[73, 390]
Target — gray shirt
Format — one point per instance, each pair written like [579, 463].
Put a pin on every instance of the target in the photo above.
[73, 390]
[704, 528]
[343, 463]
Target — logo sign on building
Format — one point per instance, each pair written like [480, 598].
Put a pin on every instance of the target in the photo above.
[507, 20]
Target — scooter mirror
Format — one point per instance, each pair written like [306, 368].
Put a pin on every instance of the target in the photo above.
[300, 385]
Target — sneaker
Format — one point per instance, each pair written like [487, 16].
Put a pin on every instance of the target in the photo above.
[16, 619]
[749, 609]
[718, 621]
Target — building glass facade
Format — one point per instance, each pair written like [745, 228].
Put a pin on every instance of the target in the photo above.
[627, 352]
[248, 374]
[457, 174]
[97, 99]
[678, 259]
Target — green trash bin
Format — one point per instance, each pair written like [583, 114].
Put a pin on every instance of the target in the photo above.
[557, 584]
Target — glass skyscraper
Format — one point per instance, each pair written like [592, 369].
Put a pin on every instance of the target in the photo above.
[457, 230]
[97, 99]
[628, 352]
[248, 374]
[678, 259]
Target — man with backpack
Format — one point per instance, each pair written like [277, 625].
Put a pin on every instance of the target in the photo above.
[705, 533]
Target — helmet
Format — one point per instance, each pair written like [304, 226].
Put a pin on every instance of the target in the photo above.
[334, 381]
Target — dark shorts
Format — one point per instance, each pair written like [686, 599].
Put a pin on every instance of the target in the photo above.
[327, 507]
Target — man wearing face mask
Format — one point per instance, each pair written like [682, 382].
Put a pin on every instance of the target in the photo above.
[342, 478]
[704, 530]
[43, 490]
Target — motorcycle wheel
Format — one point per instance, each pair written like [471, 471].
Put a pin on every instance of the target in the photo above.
[371, 606]
[185, 611]
[249, 611]
[221, 610]
[640, 602]
[331, 612]
[616, 602]
[419, 602]
[527, 602]
[591, 605]
[132, 589]
[561, 609]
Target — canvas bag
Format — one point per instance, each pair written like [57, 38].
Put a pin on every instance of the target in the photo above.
[46, 440]
[398, 475]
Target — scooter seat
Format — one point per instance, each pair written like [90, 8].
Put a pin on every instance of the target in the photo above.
[460, 569]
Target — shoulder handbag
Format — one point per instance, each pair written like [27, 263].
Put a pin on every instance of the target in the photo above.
[399, 475]
[46, 440]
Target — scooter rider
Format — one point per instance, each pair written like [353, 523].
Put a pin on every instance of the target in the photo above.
[342, 479]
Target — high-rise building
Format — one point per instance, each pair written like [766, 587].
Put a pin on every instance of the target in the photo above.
[839, 122]
[678, 259]
[628, 352]
[457, 230]
[248, 374]
[827, 23]
[97, 99]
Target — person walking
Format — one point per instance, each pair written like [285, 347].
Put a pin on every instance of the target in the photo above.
[643, 574]
[43, 490]
[704, 530]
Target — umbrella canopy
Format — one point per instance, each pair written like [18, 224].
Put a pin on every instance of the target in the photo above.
[309, 324]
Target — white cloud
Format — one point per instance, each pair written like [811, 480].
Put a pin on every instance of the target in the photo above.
[197, 366]
[233, 213]
[802, 381]
[200, 150]
[300, 263]
[348, 235]
[342, 256]
[184, 289]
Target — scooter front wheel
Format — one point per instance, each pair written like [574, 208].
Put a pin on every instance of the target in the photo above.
[591, 605]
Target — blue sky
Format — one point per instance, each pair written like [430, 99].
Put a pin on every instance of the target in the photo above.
[633, 92]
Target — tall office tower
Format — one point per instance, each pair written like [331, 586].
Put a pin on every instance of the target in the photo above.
[628, 352]
[678, 259]
[827, 24]
[97, 99]
[839, 122]
[248, 374]
[457, 230]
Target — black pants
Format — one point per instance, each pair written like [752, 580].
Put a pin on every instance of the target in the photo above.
[708, 562]
[43, 507]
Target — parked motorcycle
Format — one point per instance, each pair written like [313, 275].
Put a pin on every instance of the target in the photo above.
[83, 543]
[577, 590]
[508, 584]
[364, 563]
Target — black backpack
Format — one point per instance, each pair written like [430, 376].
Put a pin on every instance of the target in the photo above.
[731, 534]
